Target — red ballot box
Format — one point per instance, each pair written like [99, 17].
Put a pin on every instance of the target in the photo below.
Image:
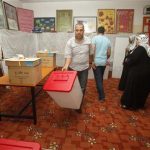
[9, 144]
[64, 88]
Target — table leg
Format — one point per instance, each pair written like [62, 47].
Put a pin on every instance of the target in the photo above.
[33, 104]
[0, 112]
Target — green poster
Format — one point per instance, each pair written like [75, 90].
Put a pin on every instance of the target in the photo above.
[64, 20]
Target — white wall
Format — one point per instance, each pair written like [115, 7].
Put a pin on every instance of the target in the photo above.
[119, 53]
[89, 8]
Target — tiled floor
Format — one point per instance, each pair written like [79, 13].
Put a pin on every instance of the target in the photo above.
[101, 126]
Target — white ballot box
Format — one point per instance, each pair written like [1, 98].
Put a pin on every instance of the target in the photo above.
[64, 88]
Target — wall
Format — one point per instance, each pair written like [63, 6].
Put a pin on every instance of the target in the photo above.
[89, 8]
[119, 53]
[86, 8]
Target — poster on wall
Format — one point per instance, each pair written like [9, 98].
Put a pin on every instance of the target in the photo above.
[146, 10]
[124, 19]
[90, 23]
[2, 17]
[64, 20]
[11, 16]
[46, 24]
[106, 18]
[25, 19]
[146, 24]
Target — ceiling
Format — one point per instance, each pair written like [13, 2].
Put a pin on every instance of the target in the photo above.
[32, 1]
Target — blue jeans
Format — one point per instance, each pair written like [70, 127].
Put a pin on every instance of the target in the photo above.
[98, 75]
[82, 77]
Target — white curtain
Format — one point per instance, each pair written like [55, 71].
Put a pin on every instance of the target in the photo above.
[17, 42]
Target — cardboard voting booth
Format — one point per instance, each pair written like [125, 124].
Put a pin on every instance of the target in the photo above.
[9, 144]
[64, 88]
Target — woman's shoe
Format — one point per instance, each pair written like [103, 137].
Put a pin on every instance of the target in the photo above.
[129, 108]
[124, 106]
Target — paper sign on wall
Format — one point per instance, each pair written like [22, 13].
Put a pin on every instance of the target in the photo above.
[25, 19]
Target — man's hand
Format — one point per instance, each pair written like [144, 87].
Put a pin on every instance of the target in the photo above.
[67, 62]
[90, 66]
[65, 68]
[93, 66]
[107, 63]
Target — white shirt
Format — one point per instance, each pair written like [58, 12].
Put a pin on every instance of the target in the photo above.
[79, 53]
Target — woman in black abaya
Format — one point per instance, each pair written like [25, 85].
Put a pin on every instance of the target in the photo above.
[137, 85]
[129, 50]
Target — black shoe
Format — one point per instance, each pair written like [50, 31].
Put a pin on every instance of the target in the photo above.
[102, 100]
[78, 110]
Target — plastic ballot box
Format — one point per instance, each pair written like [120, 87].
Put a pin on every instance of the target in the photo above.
[64, 88]
[9, 144]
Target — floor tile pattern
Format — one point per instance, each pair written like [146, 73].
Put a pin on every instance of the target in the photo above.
[100, 126]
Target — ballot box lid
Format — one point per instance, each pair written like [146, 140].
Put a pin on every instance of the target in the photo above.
[10, 144]
[60, 81]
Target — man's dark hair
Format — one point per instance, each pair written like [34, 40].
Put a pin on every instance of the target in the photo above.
[81, 24]
[101, 29]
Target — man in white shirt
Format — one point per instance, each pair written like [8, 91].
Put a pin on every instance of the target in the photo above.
[77, 55]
